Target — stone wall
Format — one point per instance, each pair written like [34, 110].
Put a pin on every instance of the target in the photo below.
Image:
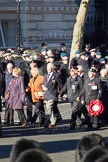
[47, 20]
[41, 20]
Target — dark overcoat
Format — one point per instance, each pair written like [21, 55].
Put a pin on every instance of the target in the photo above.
[52, 85]
[72, 94]
[92, 89]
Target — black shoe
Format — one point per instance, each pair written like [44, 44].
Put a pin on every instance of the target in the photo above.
[41, 124]
[1, 135]
[5, 124]
[58, 119]
[45, 126]
[79, 126]
[89, 128]
[95, 126]
[19, 123]
[72, 127]
[11, 124]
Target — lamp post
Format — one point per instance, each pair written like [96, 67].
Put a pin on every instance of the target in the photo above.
[18, 25]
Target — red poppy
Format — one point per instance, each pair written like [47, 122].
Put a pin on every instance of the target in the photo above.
[95, 108]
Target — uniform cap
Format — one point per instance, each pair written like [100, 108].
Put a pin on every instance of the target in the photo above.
[86, 54]
[62, 54]
[98, 53]
[102, 59]
[93, 70]
[43, 49]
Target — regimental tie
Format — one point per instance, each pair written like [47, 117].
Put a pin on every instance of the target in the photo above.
[48, 77]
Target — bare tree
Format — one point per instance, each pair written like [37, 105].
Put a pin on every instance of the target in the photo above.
[78, 31]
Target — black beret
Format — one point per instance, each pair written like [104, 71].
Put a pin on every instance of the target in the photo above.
[63, 44]
[43, 44]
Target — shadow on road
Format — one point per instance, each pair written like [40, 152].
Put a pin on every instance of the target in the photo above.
[18, 131]
[50, 147]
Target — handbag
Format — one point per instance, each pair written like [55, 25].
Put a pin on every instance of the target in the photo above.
[39, 94]
[7, 95]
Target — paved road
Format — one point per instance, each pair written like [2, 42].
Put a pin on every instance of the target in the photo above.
[59, 142]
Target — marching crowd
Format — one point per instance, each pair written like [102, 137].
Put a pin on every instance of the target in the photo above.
[46, 77]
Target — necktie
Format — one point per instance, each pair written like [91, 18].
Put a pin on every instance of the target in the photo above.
[48, 76]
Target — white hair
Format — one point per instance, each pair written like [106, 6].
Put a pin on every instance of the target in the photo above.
[80, 67]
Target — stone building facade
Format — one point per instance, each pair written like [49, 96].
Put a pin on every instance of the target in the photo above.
[48, 20]
[34, 21]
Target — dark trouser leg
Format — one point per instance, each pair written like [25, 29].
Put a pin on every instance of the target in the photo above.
[29, 108]
[76, 111]
[83, 111]
[6, 116]
[9, 113]
[21, 116]
[87, 116]
[56, 110]
[0, 125]
[95, 121]
[104, 116]
[11, 116]
[47, 120]
[79, 120]
[41, 113]
[73, 119]
[37, 112]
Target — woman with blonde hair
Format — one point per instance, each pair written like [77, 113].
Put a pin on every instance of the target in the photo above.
[35, 87]
[15, 95]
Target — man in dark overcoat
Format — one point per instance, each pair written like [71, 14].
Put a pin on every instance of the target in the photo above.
[51, 82]
[73, 87]
[92, 91]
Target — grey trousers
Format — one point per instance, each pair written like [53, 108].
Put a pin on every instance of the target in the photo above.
[49, 111]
